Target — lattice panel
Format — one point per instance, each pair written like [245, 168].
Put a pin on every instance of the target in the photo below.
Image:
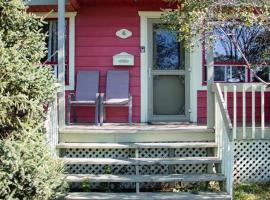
[100, 153]
[252, 161]
[130, 153]
[129, 170]
[192, 168]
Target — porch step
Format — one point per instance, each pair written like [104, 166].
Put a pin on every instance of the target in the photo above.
[136, 145]
[135, 133]
[142, 161]
[147, 196]
[145, 178]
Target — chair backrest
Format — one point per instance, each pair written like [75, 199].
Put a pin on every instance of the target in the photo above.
[117, 85]
[87, 85]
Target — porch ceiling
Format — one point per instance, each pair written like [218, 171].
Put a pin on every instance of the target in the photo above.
[119, 2]
[74, 5]
[48, 5]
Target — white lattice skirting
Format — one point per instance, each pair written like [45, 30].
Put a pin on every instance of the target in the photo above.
[130, 153]
[252, 161]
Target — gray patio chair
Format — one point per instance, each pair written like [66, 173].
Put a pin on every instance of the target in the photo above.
[117, 93]
[87, 85]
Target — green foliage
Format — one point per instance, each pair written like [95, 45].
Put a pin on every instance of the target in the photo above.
[27, 168]
[253, 191]
[86, 185]
[24, 84]
[193, 17]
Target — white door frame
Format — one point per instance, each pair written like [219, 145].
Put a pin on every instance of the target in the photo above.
[144, 16]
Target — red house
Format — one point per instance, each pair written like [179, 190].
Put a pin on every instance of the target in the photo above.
[168, 85]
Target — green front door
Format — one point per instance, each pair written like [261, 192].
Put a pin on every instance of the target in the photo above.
[167, 75]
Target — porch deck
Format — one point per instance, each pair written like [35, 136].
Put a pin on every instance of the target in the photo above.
[120, 132]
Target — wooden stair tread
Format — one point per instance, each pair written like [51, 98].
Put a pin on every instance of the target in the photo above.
[147, 196]
[136, 145]
[143, 161]
[135, 127]
[145, 178]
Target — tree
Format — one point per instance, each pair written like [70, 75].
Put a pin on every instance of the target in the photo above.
[204, 18]
[24, 84]
[27, 169]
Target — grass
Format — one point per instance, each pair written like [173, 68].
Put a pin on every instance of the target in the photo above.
[253, 191]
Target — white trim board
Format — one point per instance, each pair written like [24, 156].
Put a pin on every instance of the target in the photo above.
[71, 16]
[144, 16]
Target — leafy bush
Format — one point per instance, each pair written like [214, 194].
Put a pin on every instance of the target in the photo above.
[24, 84]
[27, 169]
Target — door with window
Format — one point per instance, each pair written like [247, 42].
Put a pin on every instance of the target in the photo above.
[167, 75]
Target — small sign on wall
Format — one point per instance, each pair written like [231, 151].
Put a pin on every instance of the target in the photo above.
[123, 59]
[123, 33]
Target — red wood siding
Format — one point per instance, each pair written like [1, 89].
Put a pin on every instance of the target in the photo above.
[96, 44]
[202, 106]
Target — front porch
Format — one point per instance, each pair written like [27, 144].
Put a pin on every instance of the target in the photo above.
[159, 152]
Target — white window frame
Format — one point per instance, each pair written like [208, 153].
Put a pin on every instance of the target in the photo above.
[71, 16]
[230, 69]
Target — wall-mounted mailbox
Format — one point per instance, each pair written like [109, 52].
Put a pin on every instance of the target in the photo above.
[123, 59]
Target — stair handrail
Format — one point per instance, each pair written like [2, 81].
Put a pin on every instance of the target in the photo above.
[223, 130]
[223, 109]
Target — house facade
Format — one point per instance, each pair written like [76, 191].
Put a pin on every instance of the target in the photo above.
[93, 38]
[170, 85]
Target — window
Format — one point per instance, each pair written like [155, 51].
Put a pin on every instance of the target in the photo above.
[51, 58]
[230, 74]
[166, 49]
[229, 64]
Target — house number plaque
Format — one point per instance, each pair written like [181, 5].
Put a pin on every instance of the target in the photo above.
[123, 33]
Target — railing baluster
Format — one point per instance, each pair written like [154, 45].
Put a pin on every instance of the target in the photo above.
[234, 111]
[253, 112]
[226, 96]
[244, 112]
[262, 112]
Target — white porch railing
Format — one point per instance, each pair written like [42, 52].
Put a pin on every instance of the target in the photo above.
[223, 129]
[248, 106]
[235, 118]
[51, 126]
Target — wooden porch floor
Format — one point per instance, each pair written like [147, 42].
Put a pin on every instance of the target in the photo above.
[119, 132]
[138, 127]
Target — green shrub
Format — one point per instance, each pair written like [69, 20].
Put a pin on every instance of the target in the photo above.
[27, 168]
[24, 84]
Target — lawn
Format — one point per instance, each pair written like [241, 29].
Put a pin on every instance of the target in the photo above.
[254, 191]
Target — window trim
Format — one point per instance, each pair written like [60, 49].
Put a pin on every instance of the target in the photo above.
[71, 45]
